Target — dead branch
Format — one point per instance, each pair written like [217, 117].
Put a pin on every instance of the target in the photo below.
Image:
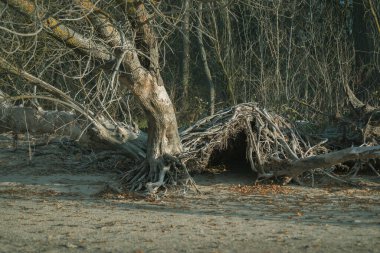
[60, 31]
[297, 167]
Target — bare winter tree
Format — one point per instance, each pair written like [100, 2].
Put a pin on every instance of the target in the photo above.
[110, 44]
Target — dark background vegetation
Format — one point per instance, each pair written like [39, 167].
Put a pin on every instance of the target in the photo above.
[294, 57]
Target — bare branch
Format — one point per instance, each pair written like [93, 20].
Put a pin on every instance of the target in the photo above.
[22, 34]
[62, 32]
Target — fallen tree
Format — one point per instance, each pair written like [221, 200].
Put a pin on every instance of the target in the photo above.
[273, 146]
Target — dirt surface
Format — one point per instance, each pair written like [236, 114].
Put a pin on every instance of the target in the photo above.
[60, 208]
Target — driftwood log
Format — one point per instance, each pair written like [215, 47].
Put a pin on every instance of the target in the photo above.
[58, 124]
[51, 137]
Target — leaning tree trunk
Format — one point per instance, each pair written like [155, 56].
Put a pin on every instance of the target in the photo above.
[142, 77]
[163, 136]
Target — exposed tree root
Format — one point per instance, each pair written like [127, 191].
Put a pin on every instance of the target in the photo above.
[168, 171]
[274, 147]
[269, 139]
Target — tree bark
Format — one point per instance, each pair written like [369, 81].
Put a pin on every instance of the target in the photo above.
[205, 62]
[186, 52]
[163, 136]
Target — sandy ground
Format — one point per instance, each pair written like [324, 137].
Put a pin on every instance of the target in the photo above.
[54, 209]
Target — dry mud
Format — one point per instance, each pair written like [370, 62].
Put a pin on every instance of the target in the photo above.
[56, 208]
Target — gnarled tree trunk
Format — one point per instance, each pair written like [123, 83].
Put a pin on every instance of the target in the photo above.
[163, 137]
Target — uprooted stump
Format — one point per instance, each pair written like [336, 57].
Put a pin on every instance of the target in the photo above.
[269, 139]
[273, 146]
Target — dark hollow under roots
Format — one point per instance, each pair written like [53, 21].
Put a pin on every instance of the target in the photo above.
[264, 140]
